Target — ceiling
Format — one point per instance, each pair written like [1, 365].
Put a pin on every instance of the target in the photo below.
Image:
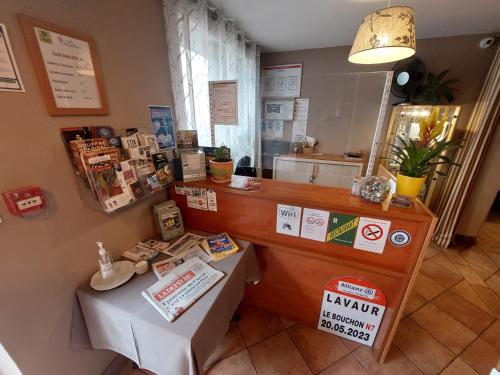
[281, 25]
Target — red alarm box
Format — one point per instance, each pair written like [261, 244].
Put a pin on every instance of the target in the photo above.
[25, 201]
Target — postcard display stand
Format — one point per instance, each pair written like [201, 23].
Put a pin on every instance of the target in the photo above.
[132, 181]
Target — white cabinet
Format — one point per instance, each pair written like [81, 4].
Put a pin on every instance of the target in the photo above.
[328, 170]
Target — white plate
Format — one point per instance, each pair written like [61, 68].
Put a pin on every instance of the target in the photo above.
[123, 271]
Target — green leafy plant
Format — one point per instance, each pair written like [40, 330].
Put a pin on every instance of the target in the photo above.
[221, 154]
[420, 158]
[435, 89]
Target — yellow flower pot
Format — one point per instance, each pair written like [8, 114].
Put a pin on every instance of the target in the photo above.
[409, 186]
[221, 171]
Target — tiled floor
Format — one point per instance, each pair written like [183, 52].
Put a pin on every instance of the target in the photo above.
[451, 326]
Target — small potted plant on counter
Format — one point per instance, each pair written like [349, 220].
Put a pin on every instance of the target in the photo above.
[419, 158]
[221, 166]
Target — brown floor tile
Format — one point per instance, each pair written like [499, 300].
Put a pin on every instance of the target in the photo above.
[439, 274]
[426, 287]
[256, 324]
[492, 334]
[432, 250]
[471, 316]
[350, 345]
[237, 364]
[481, 272]
[470, 275]
[415, 302]
[459, 367]
[278, 355]
[444, 328]
[287, 323]
[231, 343]
[481, 356]
[421, 348]
[465, 290]
[319, 349]
[395, 363]
[445, 262]
[348, 365]
[494, 283]
[489, 297]
[479, 260]
[454, 256]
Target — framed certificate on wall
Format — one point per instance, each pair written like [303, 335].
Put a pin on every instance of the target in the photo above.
[67, 68]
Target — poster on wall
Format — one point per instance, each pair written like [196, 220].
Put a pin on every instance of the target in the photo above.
[224, 102]
[10, 79]
[299, 130]
[162, 124]
[352, 308]
[281, 80]
[67, 67]
[288, 220]
[272, 129]
[278, 110]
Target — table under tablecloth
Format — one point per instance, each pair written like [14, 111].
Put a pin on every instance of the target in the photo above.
[123, 321]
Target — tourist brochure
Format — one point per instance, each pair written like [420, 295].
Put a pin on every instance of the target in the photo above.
[174, 293]
[219, 246]
[184, 243]
[164, 267]
[245, 183]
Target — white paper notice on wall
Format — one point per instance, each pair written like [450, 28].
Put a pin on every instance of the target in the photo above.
[278, 109]
[288, 220]
[299, 131]
[352, 308]
[314, 224]
[211, 200]
[281, 80]
[372, 234]
[301, 109]
[272, 129]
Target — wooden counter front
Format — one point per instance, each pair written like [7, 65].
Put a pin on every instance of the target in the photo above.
[295, 270]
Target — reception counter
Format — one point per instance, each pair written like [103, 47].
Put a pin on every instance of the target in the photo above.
[296, 270]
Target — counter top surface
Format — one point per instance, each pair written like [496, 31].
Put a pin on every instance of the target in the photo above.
[328, 157]
[319, 196]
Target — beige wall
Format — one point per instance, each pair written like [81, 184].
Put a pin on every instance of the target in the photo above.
[45, 258]
[461, 54]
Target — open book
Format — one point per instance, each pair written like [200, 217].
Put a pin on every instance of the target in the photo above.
[184, 285]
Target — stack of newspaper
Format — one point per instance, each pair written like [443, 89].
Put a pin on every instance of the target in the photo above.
[183, 278]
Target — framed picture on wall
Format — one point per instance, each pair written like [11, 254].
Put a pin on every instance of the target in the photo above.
[67, 68]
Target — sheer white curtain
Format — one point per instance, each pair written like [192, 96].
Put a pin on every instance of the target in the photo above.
[205, 46]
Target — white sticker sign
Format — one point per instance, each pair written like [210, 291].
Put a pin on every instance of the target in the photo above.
[371, 234]
[352, 308]
[288, 220]
[314, 224]
[197, 198]
[400, 238]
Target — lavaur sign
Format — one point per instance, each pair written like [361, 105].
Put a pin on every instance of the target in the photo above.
[352, 308]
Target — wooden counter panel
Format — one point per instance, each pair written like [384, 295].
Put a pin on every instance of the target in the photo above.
[292, 286]
[254, 219]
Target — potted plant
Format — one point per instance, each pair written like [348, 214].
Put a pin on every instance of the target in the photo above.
[221, 166]
[419, 158]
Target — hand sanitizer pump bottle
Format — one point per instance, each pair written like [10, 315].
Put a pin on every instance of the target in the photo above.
[105, 262]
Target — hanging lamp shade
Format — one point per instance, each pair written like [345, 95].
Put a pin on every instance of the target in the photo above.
[385, 35]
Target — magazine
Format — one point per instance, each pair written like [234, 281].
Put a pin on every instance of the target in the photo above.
[126, 174]
[164, 267]
[184, 243]
[160, 162]
[139, 252]
[174, 293]
[219, 246]
[80, 146]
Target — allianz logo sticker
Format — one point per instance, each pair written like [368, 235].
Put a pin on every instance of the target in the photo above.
[357, 290]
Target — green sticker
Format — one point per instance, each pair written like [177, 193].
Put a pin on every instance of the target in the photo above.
[342, 229]
[44, 36]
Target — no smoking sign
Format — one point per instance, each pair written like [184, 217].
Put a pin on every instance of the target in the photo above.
[372, 234]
